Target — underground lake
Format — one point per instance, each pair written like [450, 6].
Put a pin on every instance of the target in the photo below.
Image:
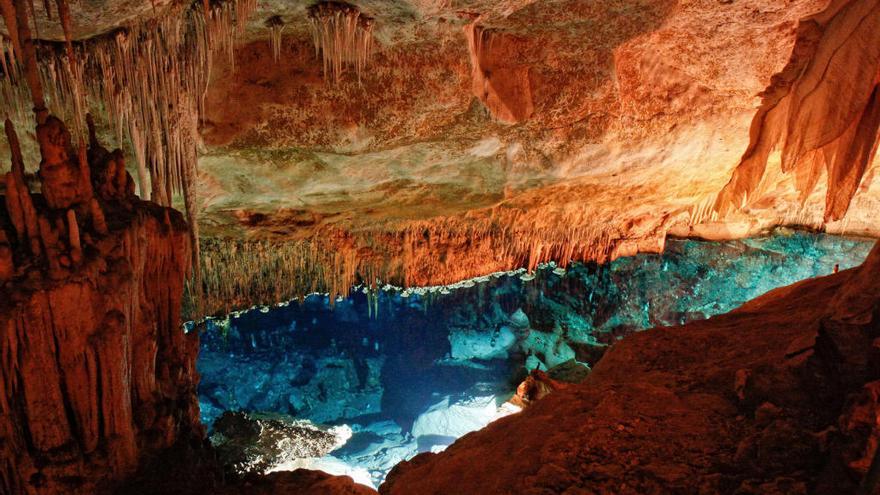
[355, 385]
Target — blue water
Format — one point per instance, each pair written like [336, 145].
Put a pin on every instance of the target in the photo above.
[379, 362]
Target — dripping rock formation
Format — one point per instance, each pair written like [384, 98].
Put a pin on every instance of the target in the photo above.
[822, 109]
[96, 373]
[496, 135]
[325, 144]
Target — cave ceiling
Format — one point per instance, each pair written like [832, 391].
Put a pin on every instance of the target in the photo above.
[561, 122]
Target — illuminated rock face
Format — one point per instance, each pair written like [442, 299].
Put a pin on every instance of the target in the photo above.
[97, 373]
[436, 142]
[502, 136]
[481, 136]
[822, 110]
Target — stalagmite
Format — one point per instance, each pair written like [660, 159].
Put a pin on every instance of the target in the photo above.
[62, 182]
[18, 198]
[13, 181]
[7, 266]
[73, 238]
[13, 207]
[95, 364]
[52, 248]
[97, 214]
[342, 36]
[140, 154]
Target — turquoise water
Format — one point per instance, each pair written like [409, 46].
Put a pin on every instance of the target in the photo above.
[411, 371]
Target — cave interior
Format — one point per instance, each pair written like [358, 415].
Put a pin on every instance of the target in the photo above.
[440, 247]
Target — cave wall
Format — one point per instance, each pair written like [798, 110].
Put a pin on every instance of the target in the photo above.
[498, 136]
[492, 135]
[96, 373]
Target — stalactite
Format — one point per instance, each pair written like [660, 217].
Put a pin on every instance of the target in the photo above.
[190, 197]
[74, 67]
[22, 38]
[343, 38]
[275, 25]
[33, 15]
[65, 183]
[18, 200]
[150, 80]
[238, 274]
[7, 9]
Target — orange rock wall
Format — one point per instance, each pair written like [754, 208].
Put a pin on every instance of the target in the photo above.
[96, 371]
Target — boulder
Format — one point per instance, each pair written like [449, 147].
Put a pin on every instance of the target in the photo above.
[259, 443]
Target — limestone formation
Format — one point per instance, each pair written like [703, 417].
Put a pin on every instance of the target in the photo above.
[97, 372]
[343, 36]
[94, 382]
[489, 137]
[535, 387]
[422, 143]
[822, 110]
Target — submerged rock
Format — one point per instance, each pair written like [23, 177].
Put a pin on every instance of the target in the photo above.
[519, 320]
[259, 443]
[469, 344]
[450, 419]
[535, 387]
[551, 346]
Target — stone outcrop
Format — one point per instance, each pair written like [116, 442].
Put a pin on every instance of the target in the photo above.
[297, 482]
[535, 387]
[95, 371]
[779, 396]
[255, 443]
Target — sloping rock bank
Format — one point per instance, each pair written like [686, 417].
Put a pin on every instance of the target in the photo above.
[779, 396]
[301, 481]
